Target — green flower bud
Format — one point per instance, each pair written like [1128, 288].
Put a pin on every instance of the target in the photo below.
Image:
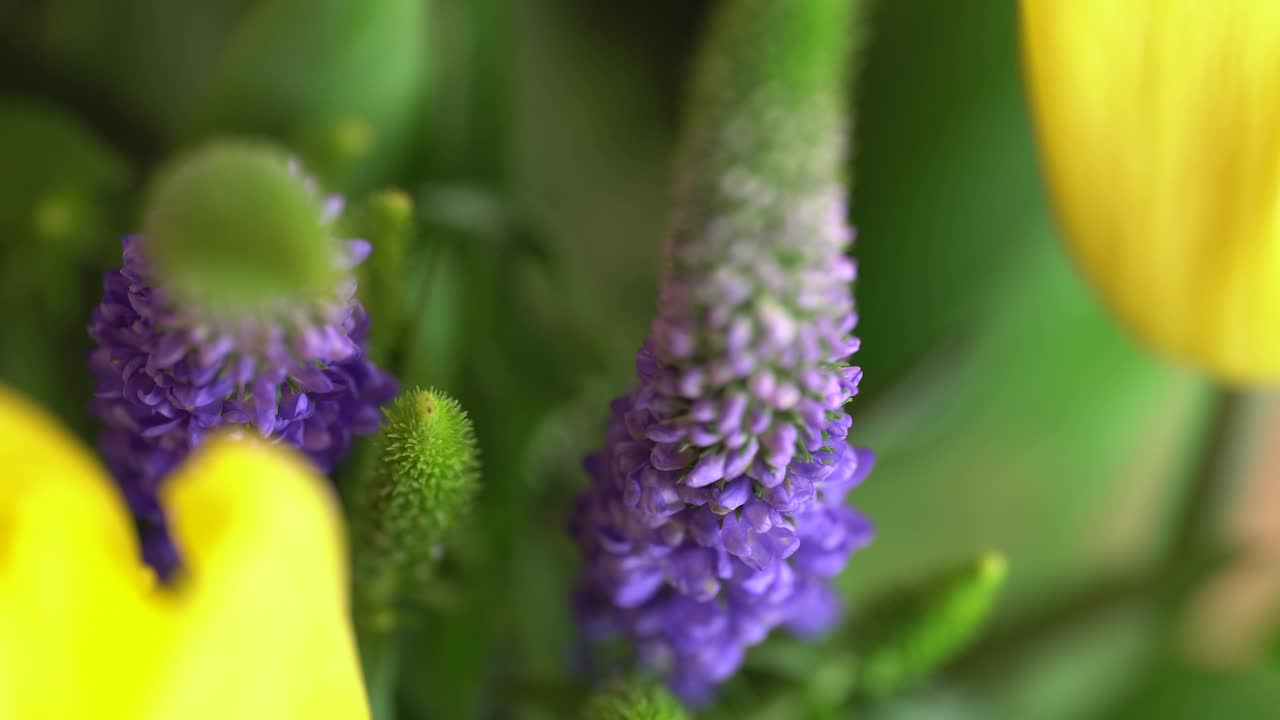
[633, 700]
[911, 634]
[234, 226]
[336, 149]
[427, 476]
[386, 220]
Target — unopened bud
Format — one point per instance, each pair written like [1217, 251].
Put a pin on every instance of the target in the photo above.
[427, 476]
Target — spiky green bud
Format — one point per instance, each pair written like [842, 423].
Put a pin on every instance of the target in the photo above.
[427, 476]
[234, 227]
[634, 699]
[912, 633]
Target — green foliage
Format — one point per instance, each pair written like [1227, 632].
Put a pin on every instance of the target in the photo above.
[62, 192]
[988, 364]
[58, 179]
[233, 227]
[427, 475]
[896, 641]
[304, 69]
[906, 636]
[633, 699]
[1176, 692]
[977, 333]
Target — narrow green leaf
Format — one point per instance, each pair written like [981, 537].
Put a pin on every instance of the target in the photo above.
[908, 635]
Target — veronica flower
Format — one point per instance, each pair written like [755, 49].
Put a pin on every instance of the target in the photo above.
[717, 505]
[1158, 124]
[254, 626]
[236, 308]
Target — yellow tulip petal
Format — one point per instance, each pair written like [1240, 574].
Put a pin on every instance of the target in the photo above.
[257, 626]
[1159, 128]
[263, 602]
[75, 633]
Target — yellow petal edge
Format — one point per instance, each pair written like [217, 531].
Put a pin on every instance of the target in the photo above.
[257, 627]
[1158, 124]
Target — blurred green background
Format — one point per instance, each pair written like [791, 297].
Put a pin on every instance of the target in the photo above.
[536, 139]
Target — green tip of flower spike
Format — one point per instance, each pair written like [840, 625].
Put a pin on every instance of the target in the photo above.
[633, 700]
[769, 92]
[428, 473]
[234, 226]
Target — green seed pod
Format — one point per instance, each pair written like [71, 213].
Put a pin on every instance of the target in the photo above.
[633, 700]
[233, 227]
[427, 476]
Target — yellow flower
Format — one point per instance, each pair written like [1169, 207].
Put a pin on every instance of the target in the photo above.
[256, 627]
[1159, 131]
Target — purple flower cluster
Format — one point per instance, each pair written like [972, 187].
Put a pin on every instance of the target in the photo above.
[717, 506]
[167, 375]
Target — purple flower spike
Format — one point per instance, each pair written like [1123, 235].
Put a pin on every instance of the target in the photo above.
[751, 469]
[166, 376]
[716, 508]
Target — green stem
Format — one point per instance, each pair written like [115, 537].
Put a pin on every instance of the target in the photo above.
[380, 660]
[1193, 542]
[1228, 437]
[405, 356]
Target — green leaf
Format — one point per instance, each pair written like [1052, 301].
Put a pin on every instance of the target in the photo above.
[908, 635]
[63, 199]
[58, 183]
[1181, 693]
[307, 69]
